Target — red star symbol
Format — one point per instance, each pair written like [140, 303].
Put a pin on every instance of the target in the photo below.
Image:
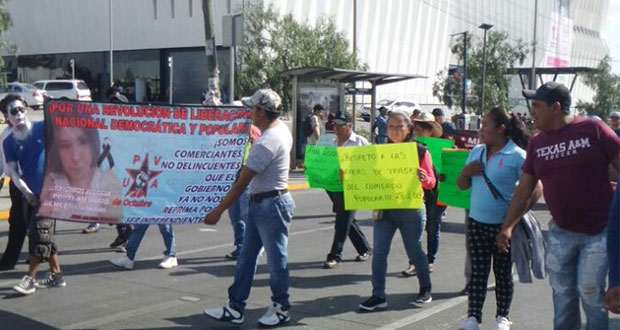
[141, 178]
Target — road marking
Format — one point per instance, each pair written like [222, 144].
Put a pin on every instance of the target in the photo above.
[208, 229]
[93, 323]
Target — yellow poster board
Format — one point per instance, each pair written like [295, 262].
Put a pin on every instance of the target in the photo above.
[378, 177]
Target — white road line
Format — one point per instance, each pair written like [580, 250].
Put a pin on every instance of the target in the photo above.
[93, 323]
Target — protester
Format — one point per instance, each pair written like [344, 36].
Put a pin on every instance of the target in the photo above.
[570, 156]
[612, 298]
[315, 122]
[447, 126]
[614, 119]
[238, 211]
[18, 225]
[426, 126]
[381, 126]
[270, 215]
[410, 222]
[167, 233]
[24, 149]
[415, 114]
[345, 224]
[492, 171]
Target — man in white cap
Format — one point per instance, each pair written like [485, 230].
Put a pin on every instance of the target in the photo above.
[270, 213]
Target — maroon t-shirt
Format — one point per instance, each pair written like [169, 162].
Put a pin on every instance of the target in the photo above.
[572, 164]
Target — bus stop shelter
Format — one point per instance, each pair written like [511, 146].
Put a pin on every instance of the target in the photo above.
[340, 76]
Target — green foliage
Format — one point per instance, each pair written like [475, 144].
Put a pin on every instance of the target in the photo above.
[275, 44]
[606, 85]
[501, 55]
[5, 24]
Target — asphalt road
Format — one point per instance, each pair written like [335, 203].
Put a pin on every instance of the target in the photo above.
[100, 296]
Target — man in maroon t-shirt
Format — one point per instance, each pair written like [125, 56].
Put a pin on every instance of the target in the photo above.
[571, 156]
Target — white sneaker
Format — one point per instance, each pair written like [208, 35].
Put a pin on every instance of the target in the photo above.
[470, 324]
[225, 313]
[123, 262]
[169, 262]
[502, 323]
[275, 316]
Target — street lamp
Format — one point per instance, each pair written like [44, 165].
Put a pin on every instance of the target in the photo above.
[485, 27]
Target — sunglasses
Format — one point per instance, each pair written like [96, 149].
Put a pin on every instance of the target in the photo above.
[15, 110]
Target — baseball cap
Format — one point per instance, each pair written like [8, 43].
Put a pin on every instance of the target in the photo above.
[341, 118]
[438, 112]
[550, 92]
[266, 99]
[614, 114]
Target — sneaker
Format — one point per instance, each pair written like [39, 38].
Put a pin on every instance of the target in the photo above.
[373, 303]
[274, 316]
[122, 248]
[26, 286]
[502, 323]
[409, 271]
[424, 296]
[363, 257]
[118, 241]
[169, 262]
[332, 263]
[225, 313]
[123, 262]
[465, 291]
[470, 324]
[52, 281]
[234, 255]
[91, 229]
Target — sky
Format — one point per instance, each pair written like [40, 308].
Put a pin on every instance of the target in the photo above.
[611, 33]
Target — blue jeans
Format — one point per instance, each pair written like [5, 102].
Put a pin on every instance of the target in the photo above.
[238, 213]
[138, 233]
[577, 266]
[433, 230]
[410, 222]
[268, 224]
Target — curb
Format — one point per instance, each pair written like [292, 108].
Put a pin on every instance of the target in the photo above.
[4, 214]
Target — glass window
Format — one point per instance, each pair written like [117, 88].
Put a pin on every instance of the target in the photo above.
[55, 86]
[81, 85]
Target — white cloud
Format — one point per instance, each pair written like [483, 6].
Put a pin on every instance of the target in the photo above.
[611, 33]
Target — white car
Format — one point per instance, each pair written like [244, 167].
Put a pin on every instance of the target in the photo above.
[65, 89]
[34, 97]
[400, 105]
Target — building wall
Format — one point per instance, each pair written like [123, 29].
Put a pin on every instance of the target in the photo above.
[394, 36]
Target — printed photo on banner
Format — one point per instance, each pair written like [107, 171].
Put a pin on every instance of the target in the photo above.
[133, 163]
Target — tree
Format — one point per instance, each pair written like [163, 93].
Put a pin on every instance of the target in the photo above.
[275, 44]
[501, 55]
[5, 24]
[606, 85]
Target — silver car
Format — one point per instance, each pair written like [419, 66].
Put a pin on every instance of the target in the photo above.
[33, 96]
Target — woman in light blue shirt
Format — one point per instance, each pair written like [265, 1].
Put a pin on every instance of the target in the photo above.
[492, 171]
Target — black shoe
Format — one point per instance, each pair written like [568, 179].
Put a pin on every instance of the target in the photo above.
[373, 303]
[6, 267]
[424, 296]
[331, 263]
[234, 255]
[465, 291]
[118, 241]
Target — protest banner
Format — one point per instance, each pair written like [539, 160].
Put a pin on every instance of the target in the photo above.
[381, 177]
[434, 146]
[147, 164]
[464, 139]
[321, 164]
[453, 162]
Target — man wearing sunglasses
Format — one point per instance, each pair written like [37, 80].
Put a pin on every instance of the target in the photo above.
[24, 152]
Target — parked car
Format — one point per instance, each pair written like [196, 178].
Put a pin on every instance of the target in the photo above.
[33, 96]
[65, 89]
[401, 105]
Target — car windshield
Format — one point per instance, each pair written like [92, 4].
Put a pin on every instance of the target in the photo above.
[385, 102]
[25, 86]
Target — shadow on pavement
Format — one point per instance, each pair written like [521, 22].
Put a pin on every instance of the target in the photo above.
[16, 321]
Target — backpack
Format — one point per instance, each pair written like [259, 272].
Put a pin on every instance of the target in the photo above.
[430, 195]
[306, 125]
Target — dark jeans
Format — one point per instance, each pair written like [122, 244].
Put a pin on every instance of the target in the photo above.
[18, 227]
[345, 225]
[433, 230]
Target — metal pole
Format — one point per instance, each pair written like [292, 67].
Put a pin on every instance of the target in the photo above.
[533, 74]
[170, 87]
[73, 69]
[231, 88]
[354, 53]
[111, 48]
[463, 103]
[484, 70]
[294, 110]
[373, 109]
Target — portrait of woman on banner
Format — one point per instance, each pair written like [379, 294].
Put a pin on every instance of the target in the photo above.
[76, 185]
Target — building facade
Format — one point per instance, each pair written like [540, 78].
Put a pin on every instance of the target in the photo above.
[392, 36]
